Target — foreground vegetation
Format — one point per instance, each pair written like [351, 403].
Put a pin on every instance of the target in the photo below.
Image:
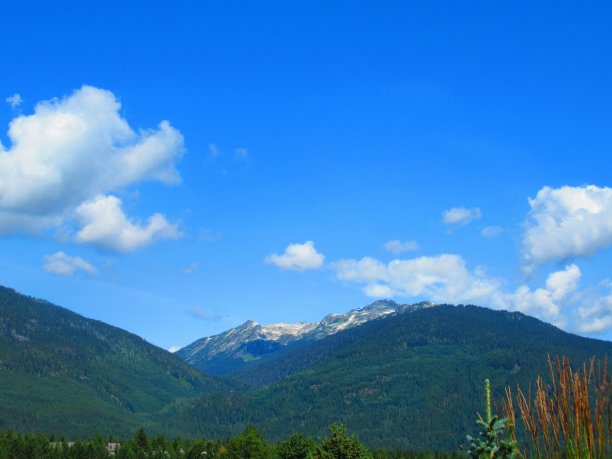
[250, 444]
[570, 416]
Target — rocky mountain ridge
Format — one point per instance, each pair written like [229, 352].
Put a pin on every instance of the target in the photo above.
[250, 341]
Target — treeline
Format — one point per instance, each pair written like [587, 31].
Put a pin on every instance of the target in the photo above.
[250, 444]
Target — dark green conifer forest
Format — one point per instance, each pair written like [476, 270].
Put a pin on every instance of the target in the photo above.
[249, 444]
[404, 385]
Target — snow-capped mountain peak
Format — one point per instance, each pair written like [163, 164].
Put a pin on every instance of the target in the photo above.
[251, 340]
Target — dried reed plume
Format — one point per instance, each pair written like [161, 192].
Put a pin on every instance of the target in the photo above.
[570, 418]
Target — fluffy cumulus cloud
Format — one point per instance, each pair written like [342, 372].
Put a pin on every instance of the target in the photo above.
[64, 265]
[74, 152]
[446, 279]
[461, 215]
[442, 278]
[396, 246]
[595, 315]
[297, 257]
[566, 223]
[563, 223]
[106, 226]
[546, 302]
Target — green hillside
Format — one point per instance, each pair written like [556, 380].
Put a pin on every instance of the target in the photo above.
[409, 381]
[63, 373]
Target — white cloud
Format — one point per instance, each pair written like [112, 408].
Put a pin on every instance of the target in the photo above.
[396, 246]
[241, 153]
[72, 150]
[104, 225]
[378, 291]
[446, 279]
[368, 270]
[492, 232]
[460, 215]
[565, 223]
[443, 278]
[173, 349]
[64, 265]
[14, 101]
[214, 151]
[596, 317]
[548, 301]
[297, 257]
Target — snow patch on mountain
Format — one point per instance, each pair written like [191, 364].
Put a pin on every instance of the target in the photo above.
[231, 343]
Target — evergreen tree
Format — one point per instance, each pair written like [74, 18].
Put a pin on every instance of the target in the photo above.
[250, 444]
[141, 439]
[341, 445]
[297, 447]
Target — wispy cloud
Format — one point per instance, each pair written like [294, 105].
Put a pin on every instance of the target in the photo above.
[461, 215]
[241, 153]
[14, 101]
[203, 314]
[65, 265]
[191, 268]
[492, 232]
[214, 151]
[209, 236]
[396, 246]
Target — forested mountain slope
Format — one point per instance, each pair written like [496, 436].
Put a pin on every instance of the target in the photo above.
[408, 380]
[63, 373]
[245, 346]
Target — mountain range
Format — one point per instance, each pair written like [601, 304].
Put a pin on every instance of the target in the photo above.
[410, 380]
[406, 376]
[240, 347]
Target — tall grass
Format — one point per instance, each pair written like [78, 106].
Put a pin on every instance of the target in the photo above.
[571, 417]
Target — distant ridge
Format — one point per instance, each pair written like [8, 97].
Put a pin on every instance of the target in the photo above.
[238, 347]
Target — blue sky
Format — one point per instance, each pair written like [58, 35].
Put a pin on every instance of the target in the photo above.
[176, 168]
